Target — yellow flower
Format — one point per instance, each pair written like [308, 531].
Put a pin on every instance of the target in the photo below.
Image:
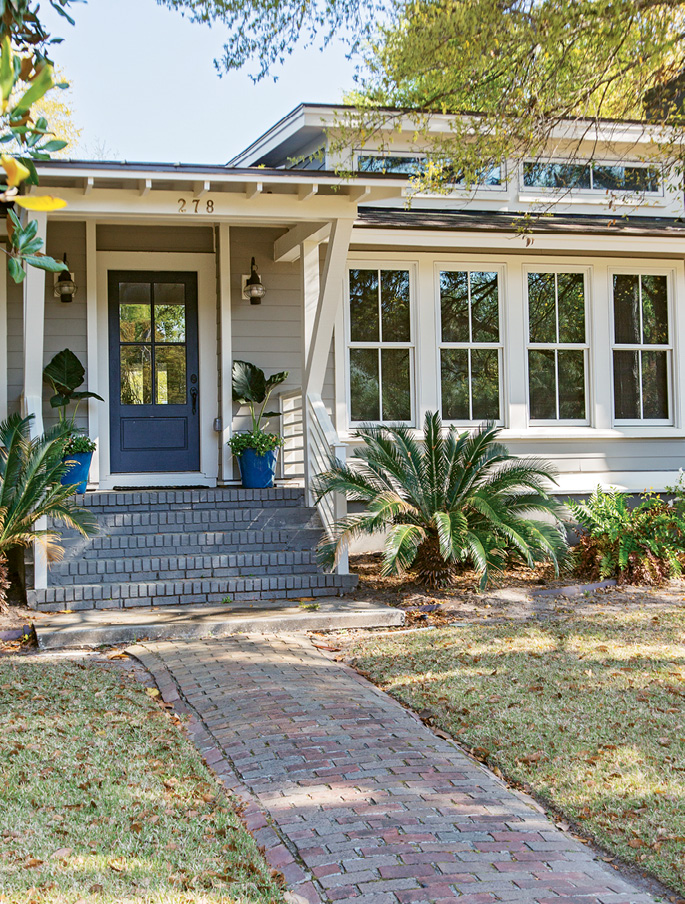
[40, 202]
[16, 171]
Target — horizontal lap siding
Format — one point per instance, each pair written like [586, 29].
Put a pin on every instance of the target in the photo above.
[270, 334]
[606, 455]
[65, 324]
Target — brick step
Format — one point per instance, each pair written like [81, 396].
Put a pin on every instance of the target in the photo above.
[182, 520]
[179, 592]
[223, 497]
[193, 543]
[171, 568]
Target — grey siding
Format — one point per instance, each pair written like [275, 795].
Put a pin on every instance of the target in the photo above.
[270, 334]
[65, 324]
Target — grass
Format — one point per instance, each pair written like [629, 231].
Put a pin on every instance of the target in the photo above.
[104, 800]
[588, 712]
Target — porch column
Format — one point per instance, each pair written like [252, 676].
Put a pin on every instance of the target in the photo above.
[34, 333]
[329, 300]
[32, 397]
[226, 351]
[309, 257]
[94, 405]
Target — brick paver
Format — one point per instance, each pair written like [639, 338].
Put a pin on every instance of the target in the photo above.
[354, 800]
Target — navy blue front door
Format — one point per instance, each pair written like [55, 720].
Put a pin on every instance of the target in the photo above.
[153, 366]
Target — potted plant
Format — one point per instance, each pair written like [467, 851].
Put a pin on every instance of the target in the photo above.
[255, 449]
[65, 374]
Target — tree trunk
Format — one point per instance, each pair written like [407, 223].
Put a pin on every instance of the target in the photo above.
[432, 568]
[4, 583]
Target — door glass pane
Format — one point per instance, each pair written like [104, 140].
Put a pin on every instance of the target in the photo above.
[454, 373]
[485, 384]
[541, 307]
[364, 306]
[571, 365]
[364, 388]
[654, 310]
[170, 375]
[542, 383]
[626, 385]
[626, 309]
[454, 306]
[484, 307]
[571, 307]
[136, 375]
[396, 384]
[395, 306]
[655, 385]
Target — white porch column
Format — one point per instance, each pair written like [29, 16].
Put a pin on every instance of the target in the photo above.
[329, 300]
[309, 257]
[226, 350]
[32, 399]
[94, 406]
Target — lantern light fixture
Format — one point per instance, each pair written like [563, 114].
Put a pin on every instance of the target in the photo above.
[253, 288]
[65, 287]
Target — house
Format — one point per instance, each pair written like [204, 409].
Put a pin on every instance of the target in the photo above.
[571, 336]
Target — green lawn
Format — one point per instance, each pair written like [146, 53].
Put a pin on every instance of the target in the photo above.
[589, 712]
[104, 800]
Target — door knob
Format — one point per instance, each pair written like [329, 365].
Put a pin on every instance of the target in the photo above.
[193, 398]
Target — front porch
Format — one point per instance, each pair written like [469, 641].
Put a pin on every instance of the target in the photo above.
[127, 229]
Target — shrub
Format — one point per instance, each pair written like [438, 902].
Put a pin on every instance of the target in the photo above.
[642, 544]
[260, 441]
[78, 444]
[451, 500]
[30, 487]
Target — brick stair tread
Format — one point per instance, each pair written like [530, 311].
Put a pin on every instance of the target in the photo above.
[226, 497]
[232, 541]
[181, 592]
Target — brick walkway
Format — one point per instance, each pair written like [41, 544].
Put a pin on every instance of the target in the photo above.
[353, 798]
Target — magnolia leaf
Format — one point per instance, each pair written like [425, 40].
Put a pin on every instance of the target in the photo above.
[40, 202]
[7, 77]
[39, 86]
[16, 270]
[44, 262]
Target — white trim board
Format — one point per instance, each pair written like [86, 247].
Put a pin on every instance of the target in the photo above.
[205, 267]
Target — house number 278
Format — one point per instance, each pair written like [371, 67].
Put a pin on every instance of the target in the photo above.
[194, 206]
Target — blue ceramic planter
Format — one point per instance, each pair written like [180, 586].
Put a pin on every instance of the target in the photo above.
[257, 471]
[77, 475]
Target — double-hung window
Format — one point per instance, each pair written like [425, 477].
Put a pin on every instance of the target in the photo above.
[470, 345]
[642, 351]
[557, 346]
[380, 345]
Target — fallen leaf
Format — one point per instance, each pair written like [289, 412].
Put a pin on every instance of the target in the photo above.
[61, 853]
[152, 691]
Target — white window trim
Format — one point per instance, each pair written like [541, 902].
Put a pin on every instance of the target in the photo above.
[598, 193]
[670, 348]
[600, 263]
[459, 190]
[472, 265]
[412, 345]
[584, 346]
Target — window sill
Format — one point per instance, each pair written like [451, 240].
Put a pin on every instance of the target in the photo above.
[653, 201]
[564, 433]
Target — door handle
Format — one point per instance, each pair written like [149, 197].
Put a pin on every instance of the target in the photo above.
[193, 398]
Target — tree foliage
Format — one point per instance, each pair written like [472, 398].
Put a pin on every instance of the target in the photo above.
[520, 67]
[27, 77]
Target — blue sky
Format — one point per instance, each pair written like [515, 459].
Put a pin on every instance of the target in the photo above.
[144, 84]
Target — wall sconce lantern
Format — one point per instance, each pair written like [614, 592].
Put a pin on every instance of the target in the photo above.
[65, 287]
[253, 288]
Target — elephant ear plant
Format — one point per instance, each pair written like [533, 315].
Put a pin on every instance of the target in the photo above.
[448, 502]
[252, 388]
[31, 471]
[65, 374]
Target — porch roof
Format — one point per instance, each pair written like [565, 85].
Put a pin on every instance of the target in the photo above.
[505, 221]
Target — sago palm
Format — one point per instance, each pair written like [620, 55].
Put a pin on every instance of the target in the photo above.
[445, 502]
[31, 471]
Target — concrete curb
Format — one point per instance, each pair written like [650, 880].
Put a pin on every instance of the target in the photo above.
[96, 628]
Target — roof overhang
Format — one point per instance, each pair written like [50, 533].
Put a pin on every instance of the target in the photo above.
[199, 194]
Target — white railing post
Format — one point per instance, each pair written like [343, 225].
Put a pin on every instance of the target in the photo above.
[340, 510]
